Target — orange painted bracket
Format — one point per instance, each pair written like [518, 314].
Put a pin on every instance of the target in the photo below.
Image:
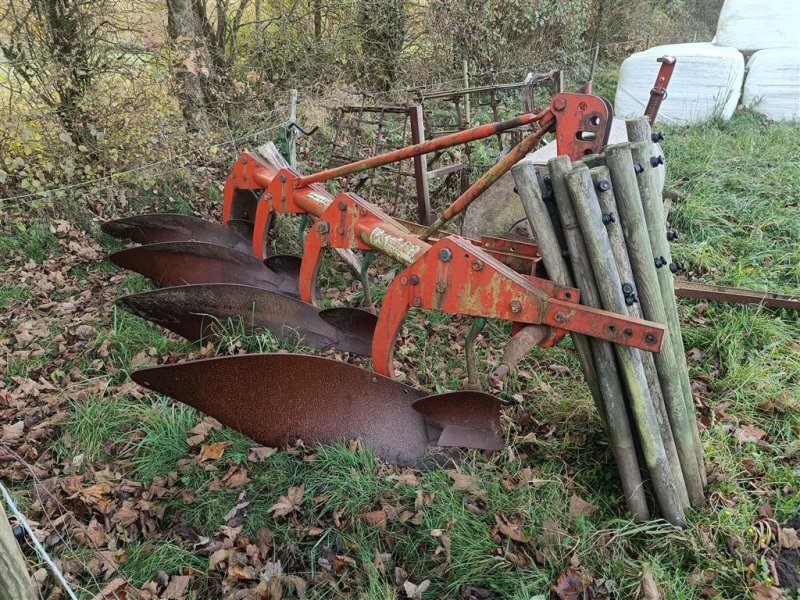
[456, 277]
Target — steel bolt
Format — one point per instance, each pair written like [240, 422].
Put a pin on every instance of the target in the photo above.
[404, 280]
[342, 205]
[559, 104]
[414, 279]
[656, 137]
[477, 265]
[323, 227]
[675, 266]
[416, 301]
[283, 178]
[638, 168]
[631, 299]
[660, 262]
[627, 288]
[609, 218]
[560, 317]
[362, 212]
[656, 160]
[672, 235]
[603, 185]
[445, 254]
[516, 307]
[441, 287]
[649, 338]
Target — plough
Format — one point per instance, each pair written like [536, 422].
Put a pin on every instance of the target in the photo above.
[212, 272]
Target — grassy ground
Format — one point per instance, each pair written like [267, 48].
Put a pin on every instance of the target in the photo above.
[68, 354]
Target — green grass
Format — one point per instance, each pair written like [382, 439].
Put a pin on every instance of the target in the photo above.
[33, 239]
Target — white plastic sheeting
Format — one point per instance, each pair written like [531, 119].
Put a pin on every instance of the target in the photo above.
[707, 81]
[751, 25]
[772, 86]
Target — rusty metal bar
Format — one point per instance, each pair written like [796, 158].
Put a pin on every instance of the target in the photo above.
[420, 165]
[447, 141]
[703, 291]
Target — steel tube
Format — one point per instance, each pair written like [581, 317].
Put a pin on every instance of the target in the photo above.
[446, 141]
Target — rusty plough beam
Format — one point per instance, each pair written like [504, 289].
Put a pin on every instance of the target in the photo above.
[324, 400]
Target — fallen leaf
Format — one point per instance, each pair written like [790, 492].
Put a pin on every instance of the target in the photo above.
[788, 538]
[763, 591]
[750, 433]
[289, 503]
[571, 583]
[376, 518]
[464, 483]
[235, 477]
[259, 453]
[415, 591]
[177, 588]
[510, 528]
[647, 586]
[212, 451]
[578, 507]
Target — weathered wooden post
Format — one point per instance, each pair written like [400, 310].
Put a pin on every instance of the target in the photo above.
[15, 583]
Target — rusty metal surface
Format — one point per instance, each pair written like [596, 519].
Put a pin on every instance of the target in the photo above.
[167, 227]
[465, 409]
[461, 437]
[180, 263]
[279, 398]
[358, 322]
[703, 291]
[196, 312]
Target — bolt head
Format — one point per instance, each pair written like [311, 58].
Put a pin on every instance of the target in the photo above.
[559, 104]
[404, 280]
[441, 287]
[323, 227]
[414, 279]
[342, 205]
[416, 301]
[445, 254]
[515, 307]
[477, 265]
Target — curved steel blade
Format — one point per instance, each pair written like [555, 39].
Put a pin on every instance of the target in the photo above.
[192, 311]
[470, 419]
[278, 398]
[168, 227]
[287, 264]
[465, 408]
[358, 322]
[179, 263]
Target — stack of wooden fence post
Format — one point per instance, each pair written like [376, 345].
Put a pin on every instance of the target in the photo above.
[607, 236]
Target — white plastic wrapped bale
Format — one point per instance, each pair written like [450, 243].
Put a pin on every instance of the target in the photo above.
[707, 81]
[751, 25]
[772, 86]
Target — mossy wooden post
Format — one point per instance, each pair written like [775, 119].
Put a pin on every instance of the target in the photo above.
[662, 474]
[601, 179]
[626, 193]
[15, 583]
[640, 134]
[606, 389]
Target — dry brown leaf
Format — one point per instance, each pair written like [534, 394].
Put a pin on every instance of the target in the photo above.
[647, 587]
[510, 527]
[552, 533]
[235, 477]
[464, 483]
[763, 591]
[376, 518]
[259, 453]
[578, 507]
[750, 433]
[789, 539]
[177, 588]
[289, 503]
[113, 589]
[572, 583]
[415, 591]
[212, 451]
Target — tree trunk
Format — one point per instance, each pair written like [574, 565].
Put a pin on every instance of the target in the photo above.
[190, 62]
[15, 584]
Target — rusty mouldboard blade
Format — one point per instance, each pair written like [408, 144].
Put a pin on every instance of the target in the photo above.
[180, 263]
[167, 227]
[195, 311]
[279, 398]
[469, 419]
